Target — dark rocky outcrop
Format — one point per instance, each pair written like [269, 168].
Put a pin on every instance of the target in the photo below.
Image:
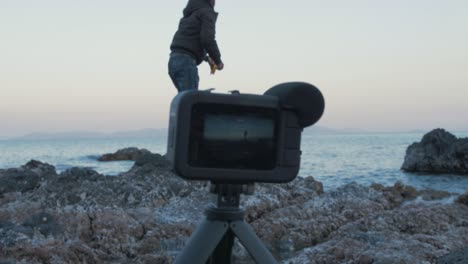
[125, 154]
[438, 152]
[25, 178]
[152, 159]
[146, 215]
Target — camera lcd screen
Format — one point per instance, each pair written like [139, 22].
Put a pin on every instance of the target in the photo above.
[233, 137]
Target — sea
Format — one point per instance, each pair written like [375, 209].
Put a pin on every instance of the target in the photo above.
[333, 159]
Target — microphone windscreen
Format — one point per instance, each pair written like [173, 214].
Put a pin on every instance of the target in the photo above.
[306, 99]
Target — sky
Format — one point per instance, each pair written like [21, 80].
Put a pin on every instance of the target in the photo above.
[101, 65]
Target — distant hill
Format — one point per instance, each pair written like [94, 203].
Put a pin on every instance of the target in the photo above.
[162, 132]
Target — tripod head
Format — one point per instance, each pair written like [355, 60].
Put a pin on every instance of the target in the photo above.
[228, 201]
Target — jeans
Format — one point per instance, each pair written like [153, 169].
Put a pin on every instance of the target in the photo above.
[183, 71]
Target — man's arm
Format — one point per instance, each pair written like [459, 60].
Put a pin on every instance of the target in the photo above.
[208, 35]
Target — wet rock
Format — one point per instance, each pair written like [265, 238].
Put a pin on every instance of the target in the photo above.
[430, 195]
[125, 154]
[398, 193]
[438, 152]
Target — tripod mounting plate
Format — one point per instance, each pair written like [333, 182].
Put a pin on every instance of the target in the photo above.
[224, 214]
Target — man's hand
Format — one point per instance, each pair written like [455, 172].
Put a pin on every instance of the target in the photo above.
[210, 61]
[214, 66]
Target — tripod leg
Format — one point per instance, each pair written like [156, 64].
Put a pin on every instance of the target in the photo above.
[202, 242]
[252, 243]
[223, 252]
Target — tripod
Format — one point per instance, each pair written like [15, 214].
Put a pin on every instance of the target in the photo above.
[212, 241]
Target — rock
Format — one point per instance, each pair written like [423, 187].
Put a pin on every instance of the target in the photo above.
[430, 195]
[40, 168]
[44, 223]
[313, 221]
[438, 152]
[399, 193]
[18, 181]
[463, 199]
[125, 154]
[26, 178]
[152, 159]
[79, 173]
[10, 233]
[268, 197]
[457, 257]
[415, 233]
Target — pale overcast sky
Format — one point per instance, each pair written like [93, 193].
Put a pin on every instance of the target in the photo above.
[101, 65]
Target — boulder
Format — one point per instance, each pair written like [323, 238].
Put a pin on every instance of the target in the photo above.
[125, 154]
[25, 178]
[438, 152]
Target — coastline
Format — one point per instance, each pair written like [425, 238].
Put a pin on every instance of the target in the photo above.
[335, 160]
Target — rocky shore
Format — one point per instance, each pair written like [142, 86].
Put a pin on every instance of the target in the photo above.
[146, 215]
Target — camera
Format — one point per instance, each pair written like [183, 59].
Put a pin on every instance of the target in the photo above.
[241, 138]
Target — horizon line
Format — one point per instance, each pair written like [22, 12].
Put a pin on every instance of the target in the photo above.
[121, 133]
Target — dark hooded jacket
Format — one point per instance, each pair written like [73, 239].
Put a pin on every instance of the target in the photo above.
[197, 30]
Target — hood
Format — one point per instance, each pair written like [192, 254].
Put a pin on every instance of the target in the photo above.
[194, 5]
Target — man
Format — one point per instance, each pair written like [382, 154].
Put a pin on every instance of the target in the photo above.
[193, 43]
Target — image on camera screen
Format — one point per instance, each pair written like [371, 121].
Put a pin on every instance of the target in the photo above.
[233, 137]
